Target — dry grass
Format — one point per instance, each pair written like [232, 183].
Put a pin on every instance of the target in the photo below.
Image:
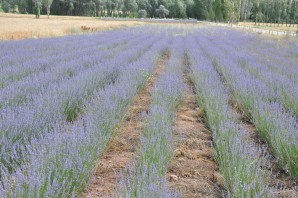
[268, 27]
[192, 169]
[20, 26]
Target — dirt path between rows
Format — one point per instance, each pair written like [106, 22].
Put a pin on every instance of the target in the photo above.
[121, 150]
[192, 170]
[282, 184]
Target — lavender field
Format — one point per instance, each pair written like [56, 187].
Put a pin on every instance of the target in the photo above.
[63, 102]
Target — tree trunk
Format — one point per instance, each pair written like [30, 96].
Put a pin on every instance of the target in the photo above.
[48, 12]
[245, 16]
[37, 12]
[246, 9]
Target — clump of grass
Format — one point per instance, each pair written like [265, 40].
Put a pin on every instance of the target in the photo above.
[69, 72]
[73, 109]
[74, 30]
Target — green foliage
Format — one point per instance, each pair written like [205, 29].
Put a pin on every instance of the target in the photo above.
[130, 7]
[5, 6]
[37, 8]
[69, 72]
[200, 9]
[142, 13]
[274, 11]
[178, 9]
[72, 109]
[162, 12]
[218, 10]
[189, 8]
[211, 14]
[89, 8]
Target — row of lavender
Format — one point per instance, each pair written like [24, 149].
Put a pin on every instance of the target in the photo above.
[146, 177]
[239, 162]
[276, 70]
[49, 147]
[279, 55]
[61, 65]
[36, 56]
[272, 117]
[59, 102]
[59, 69]
[46, 156]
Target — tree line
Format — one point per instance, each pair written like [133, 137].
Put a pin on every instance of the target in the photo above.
[266, 11]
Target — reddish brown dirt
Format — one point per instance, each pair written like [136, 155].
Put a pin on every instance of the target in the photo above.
[192, 170]
[283, 184]
[121, 150]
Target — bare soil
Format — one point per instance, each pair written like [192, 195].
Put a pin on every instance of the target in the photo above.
[277, 178]
[193, 170]
[122, 148]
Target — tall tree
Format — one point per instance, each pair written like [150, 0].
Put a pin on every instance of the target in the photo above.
[47, 4]
[266, 11]
[217, 7]
[89, 8]
[130, 7]
[178, 9]
[162, 12]
[200, 9]
[37, 8]
[190, 8]
[153, 7]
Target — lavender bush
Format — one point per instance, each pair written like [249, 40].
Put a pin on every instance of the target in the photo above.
[60, 163]
[62, 99]
[147, 176]
[60, 102]
[275, 125]
[239, 161]
[61, 70]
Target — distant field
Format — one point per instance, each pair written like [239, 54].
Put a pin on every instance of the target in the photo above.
[20, 26]
[272, 27]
